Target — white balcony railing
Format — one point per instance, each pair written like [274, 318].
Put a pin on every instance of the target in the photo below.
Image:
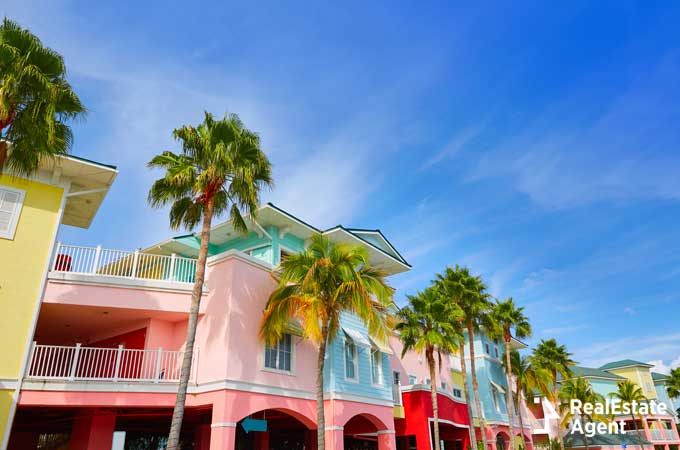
[122, 264]
[78, 363]
[663, 435]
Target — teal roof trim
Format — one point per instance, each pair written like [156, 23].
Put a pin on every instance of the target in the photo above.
[659, 376]
[589, 372]
[624, 363]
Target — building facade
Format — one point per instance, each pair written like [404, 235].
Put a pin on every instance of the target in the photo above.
[66, 190]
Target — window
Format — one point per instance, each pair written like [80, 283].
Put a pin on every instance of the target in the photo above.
[283, 254]
[10, 209]
[649, 386]
[396, 377]
[457, 393]
[412, 379]
[444, 385]
[376, 367]
[428, 382]
[351, 369]
[494, 394]
[486, 348]
[280, 356]
[495, 349]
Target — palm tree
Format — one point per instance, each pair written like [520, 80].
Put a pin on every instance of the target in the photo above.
[529, 379]
[220, 168]
[673, 384]
[506, 317]
[475, 304]
[549, 355]
[629, 392]
[35, 101]
[454, 284]
[315, 287]
[428, 325]
[580, 389]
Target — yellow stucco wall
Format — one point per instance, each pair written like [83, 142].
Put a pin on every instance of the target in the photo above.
[22, 265]
[640, 376]
[457, 380]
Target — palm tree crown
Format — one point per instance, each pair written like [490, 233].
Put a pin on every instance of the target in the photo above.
[36, 101]
[315, 287]
[579, 389]
[629, 392]
[221, 162]
[673, 384]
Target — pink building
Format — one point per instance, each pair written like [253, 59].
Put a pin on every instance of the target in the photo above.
[110, 337]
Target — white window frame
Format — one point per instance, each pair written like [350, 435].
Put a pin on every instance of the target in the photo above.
[355, 363]
[381, 381]
[459, 390]
[412, 379]
[16, 214]
[496, 402]
[291, 372]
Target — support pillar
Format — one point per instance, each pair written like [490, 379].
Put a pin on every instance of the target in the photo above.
[222, 430]
[387, 440]
[335, 438]
[645, 425]
[93, 430]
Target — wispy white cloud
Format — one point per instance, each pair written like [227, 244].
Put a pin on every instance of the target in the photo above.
[642, 348]
[661, 366]
[554, 331]
[629, 311]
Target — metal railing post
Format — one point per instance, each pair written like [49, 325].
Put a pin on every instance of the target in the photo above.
[173, 258]
[119, 354]
[159, 353]
[31, 355]
[74, 363]
[55, 257]
[135, 260]
[97, 255]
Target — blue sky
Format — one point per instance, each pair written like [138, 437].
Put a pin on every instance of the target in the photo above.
[538, 145]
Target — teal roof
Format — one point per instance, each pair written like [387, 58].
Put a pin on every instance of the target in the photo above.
[589, 372]
[624, 363]
[659, 376]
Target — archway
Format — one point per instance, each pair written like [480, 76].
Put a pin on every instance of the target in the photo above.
[361, 432]
[502, 441]
[285, 430]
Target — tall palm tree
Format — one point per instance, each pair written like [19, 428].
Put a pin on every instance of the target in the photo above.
[508, 318]
[529, 379]
[315, 287]
[454, 284]
[475, 304]
[220, 168]
[36, 101]
[580, 389]
[428, 325]
[548, 354]
[629, 392]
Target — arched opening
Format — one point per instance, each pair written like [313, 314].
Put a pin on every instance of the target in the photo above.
[275, 429]
[361, 432]
[501, 441]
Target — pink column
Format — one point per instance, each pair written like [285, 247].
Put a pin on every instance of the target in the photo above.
[335, 438]
[222, 430]
[387, 440]
[674, 428]
[648, 433]
[93, 430]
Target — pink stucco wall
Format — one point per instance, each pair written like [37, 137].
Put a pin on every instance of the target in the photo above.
[415, 364]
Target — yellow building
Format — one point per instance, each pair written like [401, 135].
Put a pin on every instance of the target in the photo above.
[637, 372]
[67, 190]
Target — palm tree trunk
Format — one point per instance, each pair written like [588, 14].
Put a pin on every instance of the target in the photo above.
[433, 392]
[320, 416]
[4, 148]
[557, 407]
[585, 436]
[510, 405]
[178, 412]
[519, 414]
[642, 445]
[475, 386]
[466, 390]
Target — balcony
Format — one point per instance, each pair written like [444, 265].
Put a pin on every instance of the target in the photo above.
[663, 435]
[78, 363]
[118, 267]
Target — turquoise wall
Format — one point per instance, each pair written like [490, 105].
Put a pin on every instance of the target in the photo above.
[335, 366]
[489, 368]
[603, 387]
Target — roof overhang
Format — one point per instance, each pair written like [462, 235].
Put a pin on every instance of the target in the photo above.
[90, 181]
[379, 257]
